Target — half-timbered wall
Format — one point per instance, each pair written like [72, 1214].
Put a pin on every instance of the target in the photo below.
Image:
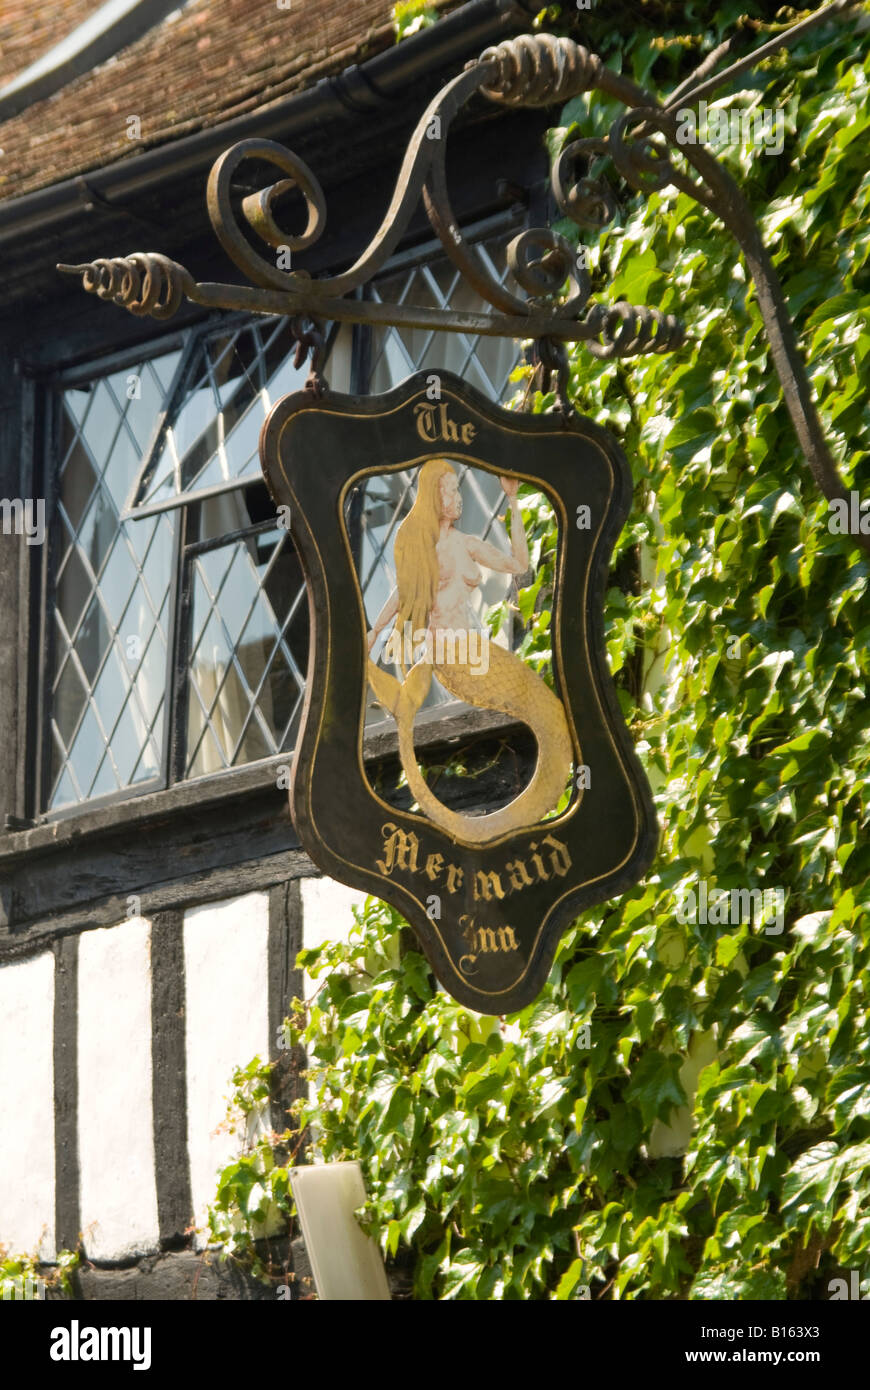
[116, 1056]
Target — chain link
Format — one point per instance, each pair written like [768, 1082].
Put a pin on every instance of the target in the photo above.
[310, 342]
[550, 355]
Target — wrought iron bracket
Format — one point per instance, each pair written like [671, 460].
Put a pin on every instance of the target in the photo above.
[532, 70]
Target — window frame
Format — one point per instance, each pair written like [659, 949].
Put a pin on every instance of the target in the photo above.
[171, 781]
[52, 409]
[176, 675]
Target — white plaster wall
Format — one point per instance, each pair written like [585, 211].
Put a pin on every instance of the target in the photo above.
[326, 915]
[27, 1106]
[116, 1137]
[673, 1140]
[227, 1022]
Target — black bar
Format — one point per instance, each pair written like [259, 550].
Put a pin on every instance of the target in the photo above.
[67, 1208]
[169, 1079]
[285, 983]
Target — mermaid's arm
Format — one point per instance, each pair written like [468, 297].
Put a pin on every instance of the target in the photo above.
[386, 615]
[493, 558]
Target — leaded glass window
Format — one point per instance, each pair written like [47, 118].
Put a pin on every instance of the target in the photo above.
[485, 363]
[111, 626]
[207, 438]
[178, 429]
[177, 630]
[249, 647]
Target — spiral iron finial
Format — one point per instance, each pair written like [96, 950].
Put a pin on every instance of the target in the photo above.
[145, 283]
[539, 70]
[628, 329]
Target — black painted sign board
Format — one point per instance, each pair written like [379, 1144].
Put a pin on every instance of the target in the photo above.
[488, 895]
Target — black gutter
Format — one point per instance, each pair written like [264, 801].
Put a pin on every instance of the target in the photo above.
[359, 89]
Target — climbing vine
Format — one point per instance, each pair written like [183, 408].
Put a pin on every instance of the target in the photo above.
[685, 1110]
[410, 16]
[253, 1200]
[24, 1277]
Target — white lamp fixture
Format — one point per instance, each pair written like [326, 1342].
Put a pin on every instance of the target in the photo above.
[345, 1262]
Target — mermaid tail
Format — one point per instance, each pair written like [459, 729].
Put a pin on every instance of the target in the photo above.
[510, 687]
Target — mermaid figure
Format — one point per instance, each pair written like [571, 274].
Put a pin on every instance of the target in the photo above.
[437, 569]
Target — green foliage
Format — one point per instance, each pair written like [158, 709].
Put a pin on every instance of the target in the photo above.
[535, 602]
[253, 1199]
[20, 1275]
[410, 16]
[503, 1157]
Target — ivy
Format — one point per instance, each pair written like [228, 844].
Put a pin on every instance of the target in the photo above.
[253, 1200]
[410, 16]
[684, 1112]
[23, 1277]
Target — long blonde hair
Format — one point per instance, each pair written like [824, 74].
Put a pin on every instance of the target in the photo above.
[414, 550]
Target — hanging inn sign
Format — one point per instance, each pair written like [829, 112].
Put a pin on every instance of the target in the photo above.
[487, 894]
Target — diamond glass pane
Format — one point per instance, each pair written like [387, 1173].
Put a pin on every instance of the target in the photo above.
[211, 433]
[249, 652]
[112, 584]
[486, 363]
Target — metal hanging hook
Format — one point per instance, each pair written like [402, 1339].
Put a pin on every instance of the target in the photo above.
[549, 355]
[310, 343]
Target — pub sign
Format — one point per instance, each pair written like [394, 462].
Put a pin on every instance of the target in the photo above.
[487, 895]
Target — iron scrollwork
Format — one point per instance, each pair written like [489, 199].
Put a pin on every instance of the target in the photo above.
[532, 70]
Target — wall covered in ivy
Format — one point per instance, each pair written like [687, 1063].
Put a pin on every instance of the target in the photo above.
[685, 1110]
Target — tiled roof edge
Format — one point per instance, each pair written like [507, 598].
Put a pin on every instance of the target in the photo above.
[373, 83]
[64, 60]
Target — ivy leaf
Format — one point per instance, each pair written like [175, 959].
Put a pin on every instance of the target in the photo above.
[815, 1172]
[655, 1086]
[569, 1281]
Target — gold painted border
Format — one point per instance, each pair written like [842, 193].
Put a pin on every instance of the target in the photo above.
[489, 468]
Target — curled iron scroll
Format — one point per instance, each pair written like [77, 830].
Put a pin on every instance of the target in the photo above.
[532, 70]
[648, 166]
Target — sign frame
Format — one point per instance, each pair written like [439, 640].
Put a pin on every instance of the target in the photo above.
[313, 451]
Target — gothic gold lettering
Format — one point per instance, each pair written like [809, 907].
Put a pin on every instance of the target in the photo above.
[433, 865]
[538, 862]
[425, 422]
[487, 886]
[559, 856]
[454, 878]
[434, 424]
[484, 941]
[403, 853]
[449, 432]
[400, 849]
[519, 875]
